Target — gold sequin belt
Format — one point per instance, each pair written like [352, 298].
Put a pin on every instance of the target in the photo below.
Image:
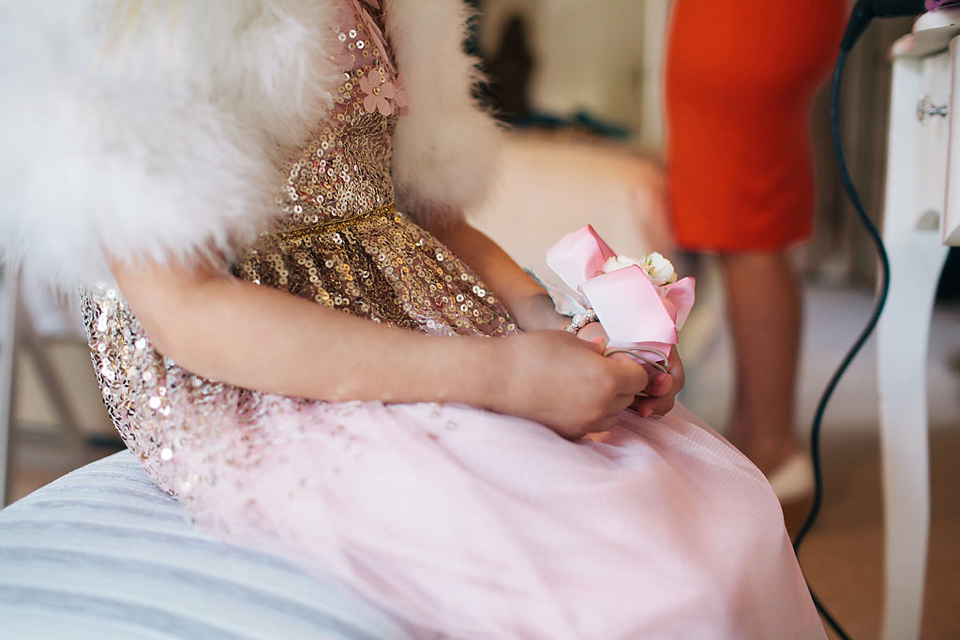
[299, 234]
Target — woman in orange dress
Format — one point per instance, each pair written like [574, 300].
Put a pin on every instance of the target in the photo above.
[740, 81]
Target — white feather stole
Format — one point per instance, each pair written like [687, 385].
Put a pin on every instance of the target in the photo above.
[158, 136]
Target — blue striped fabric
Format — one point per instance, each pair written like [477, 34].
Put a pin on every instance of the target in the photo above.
[102, 554]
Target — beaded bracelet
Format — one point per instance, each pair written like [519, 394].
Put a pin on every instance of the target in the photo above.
[581, 320]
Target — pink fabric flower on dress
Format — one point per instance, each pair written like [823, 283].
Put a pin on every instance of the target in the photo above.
[400, 99]
[382, 96]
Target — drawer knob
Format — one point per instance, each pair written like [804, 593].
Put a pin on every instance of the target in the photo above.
[926, 109]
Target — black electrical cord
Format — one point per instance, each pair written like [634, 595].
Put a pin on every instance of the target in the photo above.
[883, 286]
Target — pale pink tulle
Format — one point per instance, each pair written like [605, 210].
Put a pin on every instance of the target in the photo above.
[478, 525]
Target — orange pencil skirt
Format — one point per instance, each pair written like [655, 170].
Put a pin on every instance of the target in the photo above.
[740, 80]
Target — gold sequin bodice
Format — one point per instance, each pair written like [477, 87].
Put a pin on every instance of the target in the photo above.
[339, 242]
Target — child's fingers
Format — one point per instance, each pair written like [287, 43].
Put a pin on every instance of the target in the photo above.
[633, 379]
[650, 406]
[660, 383]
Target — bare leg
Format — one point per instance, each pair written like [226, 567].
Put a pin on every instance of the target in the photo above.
[764, 306]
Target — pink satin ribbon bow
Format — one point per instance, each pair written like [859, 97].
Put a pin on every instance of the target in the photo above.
[636, 313]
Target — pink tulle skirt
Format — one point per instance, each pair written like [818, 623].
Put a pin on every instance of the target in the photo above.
[473, 525]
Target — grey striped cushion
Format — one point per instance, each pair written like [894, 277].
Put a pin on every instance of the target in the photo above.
[102, 553]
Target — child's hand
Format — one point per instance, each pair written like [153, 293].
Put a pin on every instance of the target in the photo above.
[661, 392]
[594, 332]
[565, 383]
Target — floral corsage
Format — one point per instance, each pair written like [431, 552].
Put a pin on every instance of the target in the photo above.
[641, 303]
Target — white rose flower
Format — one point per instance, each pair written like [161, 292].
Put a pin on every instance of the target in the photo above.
[654, 265]
[659, 269]
[619, 262]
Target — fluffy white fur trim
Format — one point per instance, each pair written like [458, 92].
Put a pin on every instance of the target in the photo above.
[158, 136]
[444, 149]
[151, 134]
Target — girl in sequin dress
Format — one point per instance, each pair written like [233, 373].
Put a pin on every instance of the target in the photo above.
[244, 199]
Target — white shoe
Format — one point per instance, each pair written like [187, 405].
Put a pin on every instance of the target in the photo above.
[793, 480]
